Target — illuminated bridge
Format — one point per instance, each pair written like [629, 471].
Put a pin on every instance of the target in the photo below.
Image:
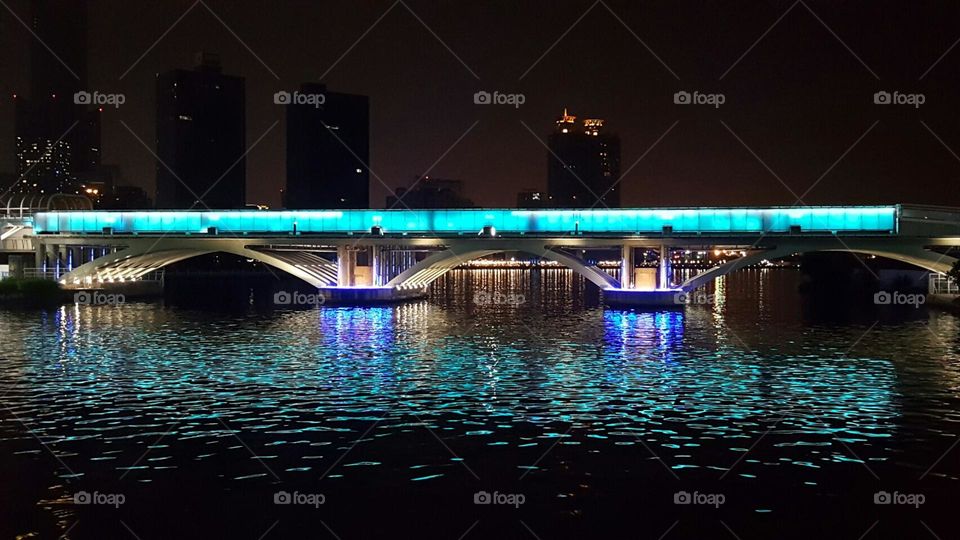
[382, 255]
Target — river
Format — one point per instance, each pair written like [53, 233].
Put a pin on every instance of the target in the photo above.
[511, 404]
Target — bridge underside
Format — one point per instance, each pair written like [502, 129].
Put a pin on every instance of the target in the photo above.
[400, 268]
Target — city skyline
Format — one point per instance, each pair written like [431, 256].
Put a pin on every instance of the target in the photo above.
[575, 269]
[791, 123]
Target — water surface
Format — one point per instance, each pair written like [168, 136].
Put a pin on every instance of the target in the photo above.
[398, 415]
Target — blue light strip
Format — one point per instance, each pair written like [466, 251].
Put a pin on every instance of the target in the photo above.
[873, 219]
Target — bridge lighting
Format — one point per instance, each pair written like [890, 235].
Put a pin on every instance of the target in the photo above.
[638, 221]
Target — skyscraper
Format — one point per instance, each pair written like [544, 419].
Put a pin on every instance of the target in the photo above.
[201, 137]
[328, 149]
[583, 164]
[56, 138]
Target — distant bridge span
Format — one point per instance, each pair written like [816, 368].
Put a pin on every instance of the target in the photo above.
[395, 254]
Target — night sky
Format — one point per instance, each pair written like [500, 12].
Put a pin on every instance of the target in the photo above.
[800, 101]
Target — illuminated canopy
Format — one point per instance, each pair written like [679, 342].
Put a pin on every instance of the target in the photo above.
[832, 219]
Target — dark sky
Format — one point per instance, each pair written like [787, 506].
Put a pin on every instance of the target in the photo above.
[799, 99]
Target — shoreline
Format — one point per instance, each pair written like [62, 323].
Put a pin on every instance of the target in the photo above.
[946, 302]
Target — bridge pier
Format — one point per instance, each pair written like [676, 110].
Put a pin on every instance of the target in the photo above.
[665, 270]
[375, 266]
[663, 295]
[366, 284]
[346, 264]
[370, 295]
[627, 272]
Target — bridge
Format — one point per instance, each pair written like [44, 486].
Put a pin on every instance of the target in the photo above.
[385, 255]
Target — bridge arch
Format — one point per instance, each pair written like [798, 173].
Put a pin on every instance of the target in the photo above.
[132, 263]
[916, 256]
[433, 267]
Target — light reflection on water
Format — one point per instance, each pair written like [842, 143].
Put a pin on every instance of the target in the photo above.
[697, 387]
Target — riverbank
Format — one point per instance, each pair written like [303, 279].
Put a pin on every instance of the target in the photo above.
[32, 292]
[946, 302]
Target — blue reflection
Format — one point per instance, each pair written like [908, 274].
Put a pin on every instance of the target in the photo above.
[298, 383]
[629, 331]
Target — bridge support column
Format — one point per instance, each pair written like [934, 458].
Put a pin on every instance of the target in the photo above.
[627, 271]
[39, 255]
[53, 258]
[346, 263]
[63, 260]
[375, 265]
[74, 257]
[665, 271]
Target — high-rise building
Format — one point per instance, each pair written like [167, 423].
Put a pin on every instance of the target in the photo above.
[328, 149]
[583, 165]
[56, 138]
[201, 138]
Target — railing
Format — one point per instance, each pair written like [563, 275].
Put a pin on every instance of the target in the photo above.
[38, 273]
[56, 275]
[155, 276]
[941, 284]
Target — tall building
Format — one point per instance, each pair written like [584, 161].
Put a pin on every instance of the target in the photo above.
[201, 137]
[429, 192]
[583, 164]
[328, 149]
[56, 139]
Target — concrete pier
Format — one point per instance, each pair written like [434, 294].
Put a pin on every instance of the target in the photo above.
[370, 295]
[657, 298]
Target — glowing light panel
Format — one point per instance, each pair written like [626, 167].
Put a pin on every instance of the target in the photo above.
[860, 219]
